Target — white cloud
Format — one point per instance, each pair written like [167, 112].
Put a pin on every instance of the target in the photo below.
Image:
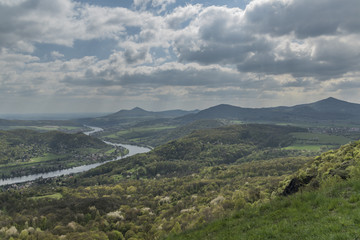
[276, 37]
[37, 21]
[62, 22]
[158, 5]
[56, 54]
[181, 15]
[268, 50]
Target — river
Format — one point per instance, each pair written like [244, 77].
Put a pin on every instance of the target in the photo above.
[132, 151]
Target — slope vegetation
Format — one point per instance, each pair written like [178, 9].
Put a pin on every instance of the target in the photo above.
[324, 203]
[178, 186]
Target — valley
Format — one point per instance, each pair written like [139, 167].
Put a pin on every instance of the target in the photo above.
[225, 177]
[179, 119]
[26, 152]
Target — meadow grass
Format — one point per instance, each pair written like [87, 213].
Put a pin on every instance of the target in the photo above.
[48, 157]
[139, 130]
[316, 141]
[331, 212]
[35, 160]
[308, 147]
[320, 138]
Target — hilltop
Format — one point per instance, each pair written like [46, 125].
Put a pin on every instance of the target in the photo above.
[331, 116]
[327, 110]
[134, 116]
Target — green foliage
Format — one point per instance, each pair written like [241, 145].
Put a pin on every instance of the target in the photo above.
[332, 212]
[342, 163]
[145, 208]
[156, 133]
[24, 152]
[202, 148]
[221, 183]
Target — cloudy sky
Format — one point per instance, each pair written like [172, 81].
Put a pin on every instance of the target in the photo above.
[107, 55]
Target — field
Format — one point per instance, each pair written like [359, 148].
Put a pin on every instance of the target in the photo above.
[316, 142]
[138, 132]
[67, 129]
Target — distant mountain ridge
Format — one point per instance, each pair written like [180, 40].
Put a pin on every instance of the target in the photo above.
[139, 112]
[326, 110]
[134, 116]
[330, 109]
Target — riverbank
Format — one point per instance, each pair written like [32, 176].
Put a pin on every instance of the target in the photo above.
[132, 151]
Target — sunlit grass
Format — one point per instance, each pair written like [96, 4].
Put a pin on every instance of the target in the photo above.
[56, 196]
[326, 213]
[308, 147]
[48, 157]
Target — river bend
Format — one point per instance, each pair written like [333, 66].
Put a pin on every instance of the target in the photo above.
[132, 151]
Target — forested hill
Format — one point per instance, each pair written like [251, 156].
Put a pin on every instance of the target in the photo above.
[202, 148]
[133, 116]
[25, 152]
[53, 141]
[326, 110]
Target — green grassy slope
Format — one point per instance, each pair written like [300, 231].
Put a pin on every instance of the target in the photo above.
[331, 212]
[325, 205]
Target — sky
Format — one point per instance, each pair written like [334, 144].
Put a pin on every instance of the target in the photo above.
[64, 56]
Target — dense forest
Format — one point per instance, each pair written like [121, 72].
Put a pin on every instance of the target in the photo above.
[178, 187]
